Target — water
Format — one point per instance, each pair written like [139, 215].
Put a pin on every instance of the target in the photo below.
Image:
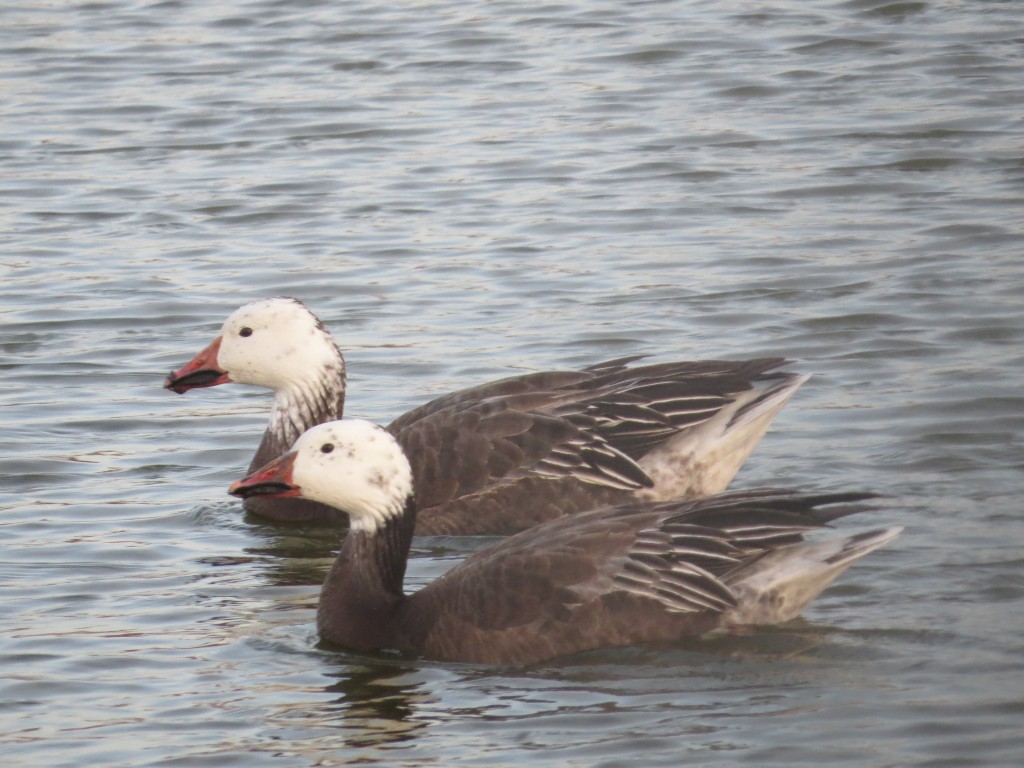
[467, 191]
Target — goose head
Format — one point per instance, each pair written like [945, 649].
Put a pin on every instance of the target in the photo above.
[275, 343]
[351, 465]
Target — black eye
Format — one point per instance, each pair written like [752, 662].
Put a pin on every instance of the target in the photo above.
[246, 332]
[327, 448]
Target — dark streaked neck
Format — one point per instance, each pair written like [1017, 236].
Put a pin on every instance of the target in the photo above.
[363, 589]
[297, 408]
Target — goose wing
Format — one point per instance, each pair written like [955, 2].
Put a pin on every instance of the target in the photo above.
[469, 449]
[677, 554]
[634, 409]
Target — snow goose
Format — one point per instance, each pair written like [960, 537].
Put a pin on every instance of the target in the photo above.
[502, 456]
[641, 572]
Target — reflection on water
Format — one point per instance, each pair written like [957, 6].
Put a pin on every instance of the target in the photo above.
[294, 555]
[376, 705]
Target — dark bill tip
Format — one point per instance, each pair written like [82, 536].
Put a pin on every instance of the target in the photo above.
[261, 489]
[205, 377]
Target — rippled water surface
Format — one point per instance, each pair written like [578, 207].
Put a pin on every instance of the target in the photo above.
[463, 191]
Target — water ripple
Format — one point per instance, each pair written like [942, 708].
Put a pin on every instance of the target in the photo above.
[469, 192]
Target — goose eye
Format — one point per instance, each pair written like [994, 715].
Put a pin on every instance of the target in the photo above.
[327, 448]
[246, 332]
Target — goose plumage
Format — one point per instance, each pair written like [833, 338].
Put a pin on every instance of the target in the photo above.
[505, 455]
[635, 573]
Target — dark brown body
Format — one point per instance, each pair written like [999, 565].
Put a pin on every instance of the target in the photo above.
[608, 577]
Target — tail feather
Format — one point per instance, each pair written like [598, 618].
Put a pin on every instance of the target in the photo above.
[777, 586]
[860, 544]
[770, 400]
[703, 461]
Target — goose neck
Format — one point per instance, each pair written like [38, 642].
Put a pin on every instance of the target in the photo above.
[364, 587]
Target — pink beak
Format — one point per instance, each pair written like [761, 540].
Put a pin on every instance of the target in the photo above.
[200, 371]
[273, 479]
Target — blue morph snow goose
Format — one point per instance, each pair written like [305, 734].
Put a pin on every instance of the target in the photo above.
[640, 572]
[505, 455]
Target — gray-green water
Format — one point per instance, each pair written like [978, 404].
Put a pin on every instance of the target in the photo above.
[467, 191]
